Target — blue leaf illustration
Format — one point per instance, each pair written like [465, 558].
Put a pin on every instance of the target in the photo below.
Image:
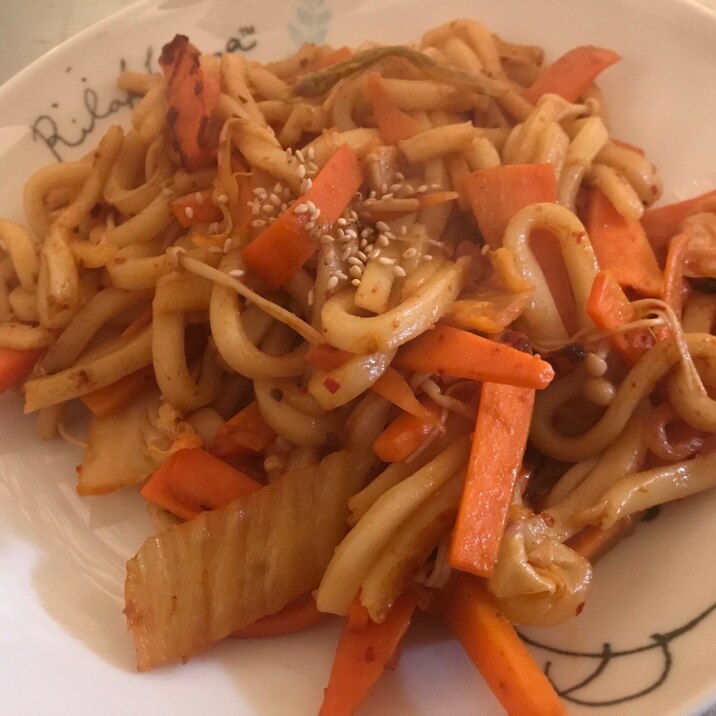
[320, 35]
[304, 17]
[323, 18]
[296, 35]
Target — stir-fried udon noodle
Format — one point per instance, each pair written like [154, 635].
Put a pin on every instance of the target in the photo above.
[366, 323]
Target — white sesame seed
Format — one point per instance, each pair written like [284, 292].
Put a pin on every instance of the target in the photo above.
[214, 250]
[309, 297]
[361, 255]
[299, 156]
[409, 253]
[300, 208]
[258, 223]
[427, 257]
[275, 199]
[374, 254]
[309, 225]
[346, 253]
[400, 176]
[271, 219]
[369, 202]
[283, 207]
[363, 243]
[166, 191]
[223, 199]
[341, 275]
[421, 189]
[213, 228]
[382, 226]
[342, 221]
[353, 215]
[199, 198]
[358, 196]
[255, 210]
[237, 273]
[367, 232]
[306, 184]
[403, 230]
[389, 235]
[286, 193]
[395, 187]
[368, 248]
[355, 271]
[315, 233]
[372, 195]
[311, 154]
[301, 171]
[385, 261]
[382, 240]
[383, 188]
[311, 206]
[327, 239]
[387, 196]
[435, 186]
[355, 282]
[485, 250]
[189, 212]
[268, 208]
[354, 261]
[399, 271]
[258, 191]
[316, 215]
[312, 167]
[277, 187]
[289, 152]
[228, 245]
[332, 282]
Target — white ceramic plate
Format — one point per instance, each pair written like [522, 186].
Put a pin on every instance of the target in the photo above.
[63, 644]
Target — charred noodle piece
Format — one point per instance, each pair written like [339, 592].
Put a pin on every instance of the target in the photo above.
[198, 582]
[315, 84]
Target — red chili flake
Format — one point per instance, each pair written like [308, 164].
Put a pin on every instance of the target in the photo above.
[370, 655]
[580, 606]
[331, 384]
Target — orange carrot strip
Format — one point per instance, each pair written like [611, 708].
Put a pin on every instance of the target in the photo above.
[498, 446]
[196, 208]
[247, 433]
[572, 73]
[621, 246]
[498, 193]
[664, 222]
[393, 123]
[139, 323]
[16, 365]
[674, 284]
[105, 401]
[452, 351]
[297, 616]
[192, 96]
[498, 652]
[192, 480]
[405, 435]
[609, 308]
[327, 357]
[281, 249]
[393, 387]
[362, 656]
